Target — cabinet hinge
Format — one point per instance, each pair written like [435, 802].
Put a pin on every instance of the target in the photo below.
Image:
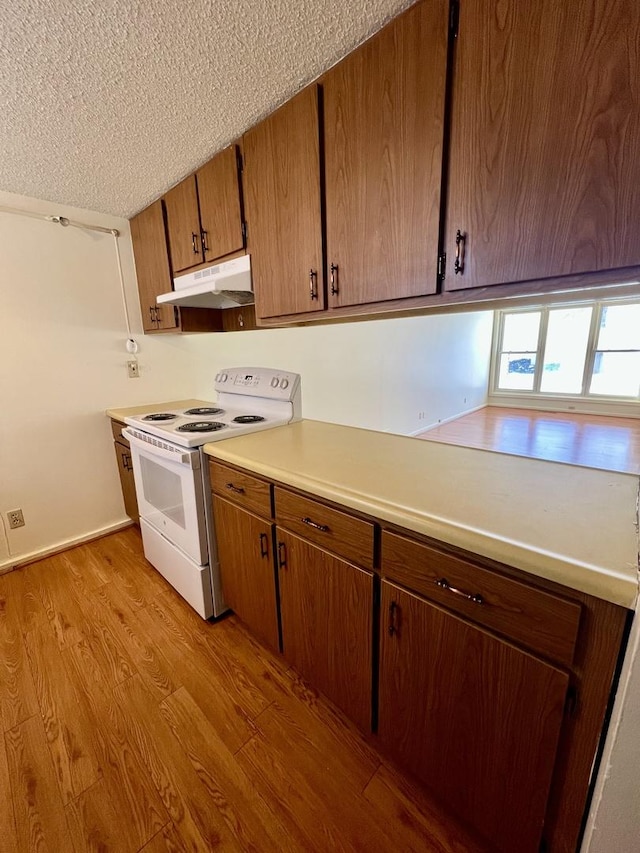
[442, 266]
[239, 160]
[244, 231]
[571, 701]
[454, 18]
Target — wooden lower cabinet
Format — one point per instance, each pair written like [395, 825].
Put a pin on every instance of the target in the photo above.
[245, 544]
[125, 470]
[490, 687]
[471, 715]
[326, 607]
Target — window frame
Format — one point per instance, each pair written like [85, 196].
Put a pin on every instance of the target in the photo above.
[581, 401]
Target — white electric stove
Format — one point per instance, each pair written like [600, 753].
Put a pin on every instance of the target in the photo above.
[172, 477]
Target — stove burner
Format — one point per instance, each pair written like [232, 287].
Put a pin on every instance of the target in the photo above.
[159, 416]
[248, 419]
[203, 410]
[201, 426]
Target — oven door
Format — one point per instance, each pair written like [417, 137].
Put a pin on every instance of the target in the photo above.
[169, 491]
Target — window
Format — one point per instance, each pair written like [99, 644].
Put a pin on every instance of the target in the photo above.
[590, 350]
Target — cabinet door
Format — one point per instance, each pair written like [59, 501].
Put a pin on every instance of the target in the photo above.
[544, 169]
[219, 196]
[326, 609]
[152, 268]
[183, 225]
[474, 717]
[125, 470]
[384, 119]
[282, 199]
[247, 568]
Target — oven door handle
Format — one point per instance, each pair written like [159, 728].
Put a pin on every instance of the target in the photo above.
[163, 450]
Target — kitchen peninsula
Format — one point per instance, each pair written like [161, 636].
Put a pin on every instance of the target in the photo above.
[466, 607]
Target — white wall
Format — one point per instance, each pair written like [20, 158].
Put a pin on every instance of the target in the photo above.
[63, 362]
[378, 374]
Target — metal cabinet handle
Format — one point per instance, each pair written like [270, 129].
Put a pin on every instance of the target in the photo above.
[264, 545]
[194, 243]
[443, 583]
[333, 280]
[393, 628]
[323, 527]
[126, 462]
[282, 555]
[313, 284]
[461, 250]
[237, 489]
[203, 238]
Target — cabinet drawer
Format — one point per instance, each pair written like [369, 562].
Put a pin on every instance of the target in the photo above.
[332, 529]
[116, 429]
[539, 620]
[250, 492]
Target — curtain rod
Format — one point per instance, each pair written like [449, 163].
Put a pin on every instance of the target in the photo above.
[59, 220]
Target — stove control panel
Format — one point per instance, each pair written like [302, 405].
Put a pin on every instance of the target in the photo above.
[258, 382]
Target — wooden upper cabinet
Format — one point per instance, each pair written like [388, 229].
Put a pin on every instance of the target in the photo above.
[152, 268]
[204, 213]
[218, 185]
[384, 119]
[544, 166]
[282, 200]
[183, 225]
[474, 717]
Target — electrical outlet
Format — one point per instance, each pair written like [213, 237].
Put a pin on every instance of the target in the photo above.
[15, 518]
[132, 367]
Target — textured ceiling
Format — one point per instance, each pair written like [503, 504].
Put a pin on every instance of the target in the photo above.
[106, 105]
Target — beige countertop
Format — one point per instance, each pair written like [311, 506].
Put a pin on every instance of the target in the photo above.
[573, 525]
[121, 414]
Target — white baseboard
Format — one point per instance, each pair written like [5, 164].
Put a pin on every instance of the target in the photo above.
[23, 559]
[448, 420]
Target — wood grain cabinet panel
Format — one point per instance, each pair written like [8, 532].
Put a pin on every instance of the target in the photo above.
[384, 119]
[545, 623]
[152, 268]
[337, 531]
[474, 717]
[544, 173]
[282, 199]
[219, 197]
[247, 569]
[183, 225]
[250, 492]
[326, 607]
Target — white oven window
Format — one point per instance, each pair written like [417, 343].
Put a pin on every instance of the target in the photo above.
[163, 490]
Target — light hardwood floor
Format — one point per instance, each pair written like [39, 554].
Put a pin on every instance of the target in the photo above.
[130, 724]
[593, 441]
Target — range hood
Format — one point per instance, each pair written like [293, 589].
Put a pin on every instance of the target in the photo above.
[225, 285]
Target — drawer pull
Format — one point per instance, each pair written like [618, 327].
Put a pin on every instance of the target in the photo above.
[237, 489]
[443, 583]
[264, 545]
[393, 609]
[461, 246]
[322, 527]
